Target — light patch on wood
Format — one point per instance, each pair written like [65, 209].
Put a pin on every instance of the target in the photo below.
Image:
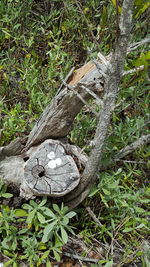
[81, 72]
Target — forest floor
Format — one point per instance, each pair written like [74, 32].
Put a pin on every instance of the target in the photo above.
[40, 42]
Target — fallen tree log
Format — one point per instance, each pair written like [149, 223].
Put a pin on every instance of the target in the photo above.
[46, 164]
[28, 166]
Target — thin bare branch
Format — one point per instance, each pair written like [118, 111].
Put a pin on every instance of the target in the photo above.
[91, 213]
[132, 161]
[100, 102]
[66, 80]
[100, 69]
[77, 257]
[114, 74]
[81, 98]
[143, 140]
[140, 68]
[103, 58]
[134, 46]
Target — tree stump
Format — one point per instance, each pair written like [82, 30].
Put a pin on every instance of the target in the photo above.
[50, 171]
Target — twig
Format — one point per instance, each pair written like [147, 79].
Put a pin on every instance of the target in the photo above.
[91, 213]
[140, 68]
[132, 161]
[115, 234]
[66, 80]
[143, 140]
[93, 94]
[81, 98]
[134, 46]
[103, 58]
[98, 66]
[77, 257]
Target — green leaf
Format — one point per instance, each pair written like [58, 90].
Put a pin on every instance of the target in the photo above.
[146, 201]
[93, 191]
[71, 214]
[115, 5]
[33, 203]
[14, 264]
[109, 264]
[49, 213]
[21, 213]
[45, 255]
[8, 263]
[142, 8]
[143, 59]
[47, 231]
[31, 217]
[7, 195]
[56, 208]
[7, 253]
[57, 256]
[48, 264]
[106, 192]
[43, 202]
[142, 225]
[139, 210]
[41, 218]
[129, 229]
[64, 234]
[23, 231]
[27, 207]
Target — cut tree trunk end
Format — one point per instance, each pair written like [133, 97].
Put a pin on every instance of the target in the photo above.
[50, 169]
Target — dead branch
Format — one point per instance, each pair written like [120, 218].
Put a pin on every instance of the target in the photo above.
[56, 120]
[134, 46]
[143, 140]
[91, 213]
[114, 73]
[140, 68]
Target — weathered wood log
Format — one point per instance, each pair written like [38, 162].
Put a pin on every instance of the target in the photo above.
[48, 169]
[57, 119]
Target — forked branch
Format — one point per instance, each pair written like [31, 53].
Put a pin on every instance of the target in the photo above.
[114, 73]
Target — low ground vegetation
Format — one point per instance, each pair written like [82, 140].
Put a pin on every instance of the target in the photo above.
[40, 42]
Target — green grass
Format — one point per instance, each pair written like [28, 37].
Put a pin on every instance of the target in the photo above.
[40, 41]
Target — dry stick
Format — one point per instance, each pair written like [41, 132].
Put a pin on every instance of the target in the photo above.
[143, 140]
[91, 213]
[132, 161]
[134, 46]
[140, 68]
[114, 73]
[65, 80]
[81, 98]
[80, 257]
[93, 94]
